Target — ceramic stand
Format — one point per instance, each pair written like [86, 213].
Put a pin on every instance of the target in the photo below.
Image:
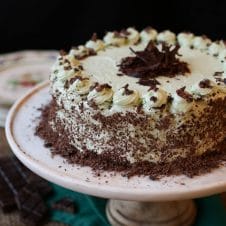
[155, 203]
[131, 213]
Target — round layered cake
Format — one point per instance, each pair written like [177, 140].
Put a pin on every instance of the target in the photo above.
[138, 101]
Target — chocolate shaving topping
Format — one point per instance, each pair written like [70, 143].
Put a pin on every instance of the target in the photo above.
[99, 88]
[80, 67]
[182, 93]
[127, 91]
[205, 84]
[94, 86]
[218, 73]
[151, 62]
[67, 68]
[112, 162]
[66, 84]
[154, 88]
[149, 82]
[153, 98]
[72, 80]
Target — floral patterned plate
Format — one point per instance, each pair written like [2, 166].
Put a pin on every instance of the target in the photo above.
[19, 72]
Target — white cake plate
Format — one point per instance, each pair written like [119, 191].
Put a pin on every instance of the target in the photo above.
[150, 202]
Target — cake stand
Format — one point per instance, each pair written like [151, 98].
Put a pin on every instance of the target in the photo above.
[134, 201]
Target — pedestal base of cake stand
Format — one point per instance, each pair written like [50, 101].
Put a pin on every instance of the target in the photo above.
[175, 213]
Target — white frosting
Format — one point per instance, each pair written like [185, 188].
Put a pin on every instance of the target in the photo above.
[167, 36]
[214, 48]
[111, 39]
[222, 54]
[120, 99]
[133, 36]
[63, 75]
[96, 45]
[198, 91]
[154, 99]
[73, 61]
[81, 86]
[149, 34]
[103, 68]
[180, 105]
[105, 95]
[185, 39]
[201, 43]
[79, 51]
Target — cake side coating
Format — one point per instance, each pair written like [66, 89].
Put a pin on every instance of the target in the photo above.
[142, 115]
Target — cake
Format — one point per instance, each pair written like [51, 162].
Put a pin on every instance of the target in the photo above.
[142, 102]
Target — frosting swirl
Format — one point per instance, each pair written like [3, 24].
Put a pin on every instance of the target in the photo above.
[202, 88]
[201, 42]
[114, 38]
[96, 45]
[101, 95]
[81, 52]
[154, 99]
[185, 39]
[125, 97]
[81, 85]
[214, 48]
[133, 35]
[148, 34]
[181, 104]
[222, 54]
[167, 36]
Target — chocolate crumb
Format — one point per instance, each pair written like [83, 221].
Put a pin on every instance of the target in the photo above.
[205, 84]
[148, 82]
[153, 98]
[126, 90]
[182, 93]
[218, 73]
[99, 88]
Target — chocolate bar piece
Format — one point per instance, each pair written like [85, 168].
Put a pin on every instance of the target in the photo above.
[36, 182]
[32, 208]
[7, 201]
[64, 204]
[11, 175]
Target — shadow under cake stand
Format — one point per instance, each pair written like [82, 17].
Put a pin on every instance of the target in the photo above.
[134, 201]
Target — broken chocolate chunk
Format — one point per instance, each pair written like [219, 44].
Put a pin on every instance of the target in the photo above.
[11, 175]
[205, 84]
[32, 208]
[65, 204]
[126, 90]
[99, 88]
[7, 201]
[182, 93]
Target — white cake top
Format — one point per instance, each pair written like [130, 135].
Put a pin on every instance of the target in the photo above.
[74, 74]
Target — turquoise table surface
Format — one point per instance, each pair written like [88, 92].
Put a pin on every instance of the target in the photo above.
[91, 210]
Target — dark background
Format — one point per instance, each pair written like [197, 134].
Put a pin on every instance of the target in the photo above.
[60, 24]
